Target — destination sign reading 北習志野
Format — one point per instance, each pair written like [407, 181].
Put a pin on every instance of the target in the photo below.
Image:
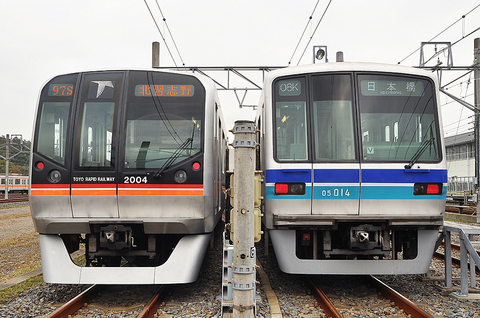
[60, 90]
[392, 88]
[164, 90]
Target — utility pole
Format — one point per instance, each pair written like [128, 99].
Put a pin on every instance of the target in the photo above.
[476, 62]
[243, 236]
[155, 54]
[18, 149]
[7, 159]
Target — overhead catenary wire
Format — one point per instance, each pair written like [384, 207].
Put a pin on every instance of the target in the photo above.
[163, 38]
[169, 32]
[314, 31]
[451, 25]
[304, 30]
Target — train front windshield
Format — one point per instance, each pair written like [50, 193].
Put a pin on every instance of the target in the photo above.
[316, 121]
[109, 121]
[163, 122]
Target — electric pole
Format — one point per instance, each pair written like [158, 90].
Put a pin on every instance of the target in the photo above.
[476, 62]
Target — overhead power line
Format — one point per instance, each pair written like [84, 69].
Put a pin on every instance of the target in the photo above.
[169, 32]
[303, 33]
[163, 38]
[451, 25]
[314, 31]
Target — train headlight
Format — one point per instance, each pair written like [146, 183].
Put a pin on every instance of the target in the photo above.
[54, 176]
[180, 176]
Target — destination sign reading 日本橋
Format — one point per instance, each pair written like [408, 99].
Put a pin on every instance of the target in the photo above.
[165, 90]
[392, 88]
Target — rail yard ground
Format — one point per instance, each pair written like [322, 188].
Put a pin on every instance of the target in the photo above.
[20, 253]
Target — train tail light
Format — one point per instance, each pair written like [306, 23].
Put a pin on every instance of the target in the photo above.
[428, 189]
[290, 188]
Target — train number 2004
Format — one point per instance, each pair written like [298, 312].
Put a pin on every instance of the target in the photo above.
[133, 179]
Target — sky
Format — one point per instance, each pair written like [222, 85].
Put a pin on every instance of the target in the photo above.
[42, 39]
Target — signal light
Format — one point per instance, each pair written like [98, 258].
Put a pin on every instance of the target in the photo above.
[290, 188]
[427, 188]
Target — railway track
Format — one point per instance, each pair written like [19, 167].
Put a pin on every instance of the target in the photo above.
[83, 300]
[335, 306]
[15, 198]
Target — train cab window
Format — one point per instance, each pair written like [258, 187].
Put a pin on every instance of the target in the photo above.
[53, 120]
[398, 118]
[333, 124]
[164, 120]
[290, 120]
[96, 121]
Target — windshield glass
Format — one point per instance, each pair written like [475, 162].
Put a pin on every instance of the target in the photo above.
[163, 112]
[398, 118]
[53, 118]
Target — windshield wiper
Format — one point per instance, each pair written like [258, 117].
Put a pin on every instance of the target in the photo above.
[424, 146]
[172, 158]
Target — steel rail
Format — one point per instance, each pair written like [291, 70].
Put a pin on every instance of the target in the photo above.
[405, 304]
[151, 308]
[76, 303]
[323, 301]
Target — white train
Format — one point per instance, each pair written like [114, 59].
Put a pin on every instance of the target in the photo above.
[355, 168]
[129, 164]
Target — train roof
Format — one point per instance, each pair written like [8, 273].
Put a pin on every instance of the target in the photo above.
[349, 66]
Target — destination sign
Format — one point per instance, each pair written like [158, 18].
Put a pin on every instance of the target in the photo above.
[164, 90]
[392, 88]
[60, 90]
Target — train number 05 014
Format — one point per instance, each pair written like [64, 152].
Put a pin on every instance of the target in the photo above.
[336, 193]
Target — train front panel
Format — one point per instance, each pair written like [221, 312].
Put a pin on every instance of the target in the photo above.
[122, 162]
[355, 171]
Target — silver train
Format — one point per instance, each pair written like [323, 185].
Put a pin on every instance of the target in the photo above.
[355, 168]
[16, 184]
[127, 168]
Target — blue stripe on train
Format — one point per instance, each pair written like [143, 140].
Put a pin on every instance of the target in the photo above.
[353, 175]
[351, 192]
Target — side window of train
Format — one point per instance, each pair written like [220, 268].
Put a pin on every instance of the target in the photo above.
[333, 125]
[290, 118]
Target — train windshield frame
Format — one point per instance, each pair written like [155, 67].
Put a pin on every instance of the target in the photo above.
[355, 116]
[164, 120]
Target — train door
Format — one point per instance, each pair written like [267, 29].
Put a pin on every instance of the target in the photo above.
[94, 184]
[336, 168]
